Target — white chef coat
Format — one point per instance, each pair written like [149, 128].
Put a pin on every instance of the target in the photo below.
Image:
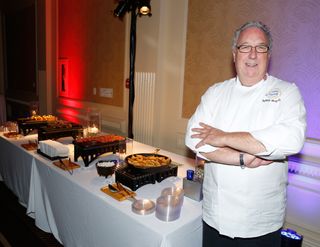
[250, 202]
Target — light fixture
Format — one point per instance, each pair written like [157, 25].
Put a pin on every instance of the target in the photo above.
[144, 7]
[122, 8]
[136, 7]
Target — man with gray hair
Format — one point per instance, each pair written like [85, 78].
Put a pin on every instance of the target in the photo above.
[245, 128]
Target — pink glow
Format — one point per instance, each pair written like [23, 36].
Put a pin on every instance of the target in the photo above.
[71, 103]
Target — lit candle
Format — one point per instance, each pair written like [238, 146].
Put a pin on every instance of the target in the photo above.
[94, 130]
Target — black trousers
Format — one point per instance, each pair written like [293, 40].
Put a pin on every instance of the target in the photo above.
[212, 238]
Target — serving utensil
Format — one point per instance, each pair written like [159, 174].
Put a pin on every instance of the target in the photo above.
[66, 166]
[120, 189]
[112, 188]
[127, 192]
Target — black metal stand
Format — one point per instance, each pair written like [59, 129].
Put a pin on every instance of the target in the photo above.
[132, 70]
[135, 7]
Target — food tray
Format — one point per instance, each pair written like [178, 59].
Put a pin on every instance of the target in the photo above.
[147, 168]
[26, 125]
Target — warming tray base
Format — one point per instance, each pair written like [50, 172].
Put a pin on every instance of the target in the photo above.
[134, 179]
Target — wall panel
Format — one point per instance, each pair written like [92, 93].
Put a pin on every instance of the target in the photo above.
[295, 58]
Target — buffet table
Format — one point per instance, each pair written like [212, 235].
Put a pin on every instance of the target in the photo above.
[74, 209]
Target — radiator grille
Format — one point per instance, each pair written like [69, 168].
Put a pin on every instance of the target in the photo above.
[143, 107]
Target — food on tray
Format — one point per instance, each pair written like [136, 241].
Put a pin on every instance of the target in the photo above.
[143, 161]
[13, 134]
[101, 139]
[60, 124]
[43, 118]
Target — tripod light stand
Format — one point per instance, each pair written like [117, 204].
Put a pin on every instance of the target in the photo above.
[141, 8]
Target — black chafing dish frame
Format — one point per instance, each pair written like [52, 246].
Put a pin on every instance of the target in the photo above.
[47, 132]
[134, 179]
[89, 151]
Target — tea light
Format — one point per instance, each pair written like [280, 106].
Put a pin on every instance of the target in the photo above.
[93, 130]
[94, 121]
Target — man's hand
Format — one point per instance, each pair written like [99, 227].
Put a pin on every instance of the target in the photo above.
[241, 141]
[209, 135]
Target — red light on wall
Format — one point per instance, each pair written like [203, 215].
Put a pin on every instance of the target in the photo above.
[70, 115]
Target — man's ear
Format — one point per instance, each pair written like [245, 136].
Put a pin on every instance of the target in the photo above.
[234, 56]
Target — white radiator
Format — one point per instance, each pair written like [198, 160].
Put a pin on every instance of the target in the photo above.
[143, 107]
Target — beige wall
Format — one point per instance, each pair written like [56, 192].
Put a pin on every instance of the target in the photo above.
[295, 28]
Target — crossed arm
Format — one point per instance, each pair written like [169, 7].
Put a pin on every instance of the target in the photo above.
[229, 146]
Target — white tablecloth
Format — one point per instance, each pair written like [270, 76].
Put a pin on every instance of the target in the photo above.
[16, 166]
[78, 213]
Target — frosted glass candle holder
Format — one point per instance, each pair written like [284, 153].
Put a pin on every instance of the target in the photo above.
[94, 122]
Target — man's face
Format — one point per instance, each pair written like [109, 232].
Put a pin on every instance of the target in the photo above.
[251, 67]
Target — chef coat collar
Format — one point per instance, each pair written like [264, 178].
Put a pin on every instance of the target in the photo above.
[239, 84]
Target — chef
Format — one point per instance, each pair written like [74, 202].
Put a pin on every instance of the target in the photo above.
[245, 128]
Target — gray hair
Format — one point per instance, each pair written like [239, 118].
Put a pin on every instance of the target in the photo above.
[249, 24]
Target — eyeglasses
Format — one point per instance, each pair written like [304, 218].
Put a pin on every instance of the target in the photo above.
[248, 48]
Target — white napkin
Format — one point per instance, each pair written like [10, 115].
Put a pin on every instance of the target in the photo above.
[53, 148]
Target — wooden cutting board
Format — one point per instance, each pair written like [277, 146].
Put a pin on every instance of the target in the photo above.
[11, 134]
[30, 146]
[68, 165]
[120, 196]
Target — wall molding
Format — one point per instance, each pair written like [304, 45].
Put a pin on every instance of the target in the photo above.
[304, 193]
[304, 168]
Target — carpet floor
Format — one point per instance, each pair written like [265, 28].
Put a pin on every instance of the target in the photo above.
[16, 228]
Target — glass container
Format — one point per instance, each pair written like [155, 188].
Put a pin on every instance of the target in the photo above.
[94, 122]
